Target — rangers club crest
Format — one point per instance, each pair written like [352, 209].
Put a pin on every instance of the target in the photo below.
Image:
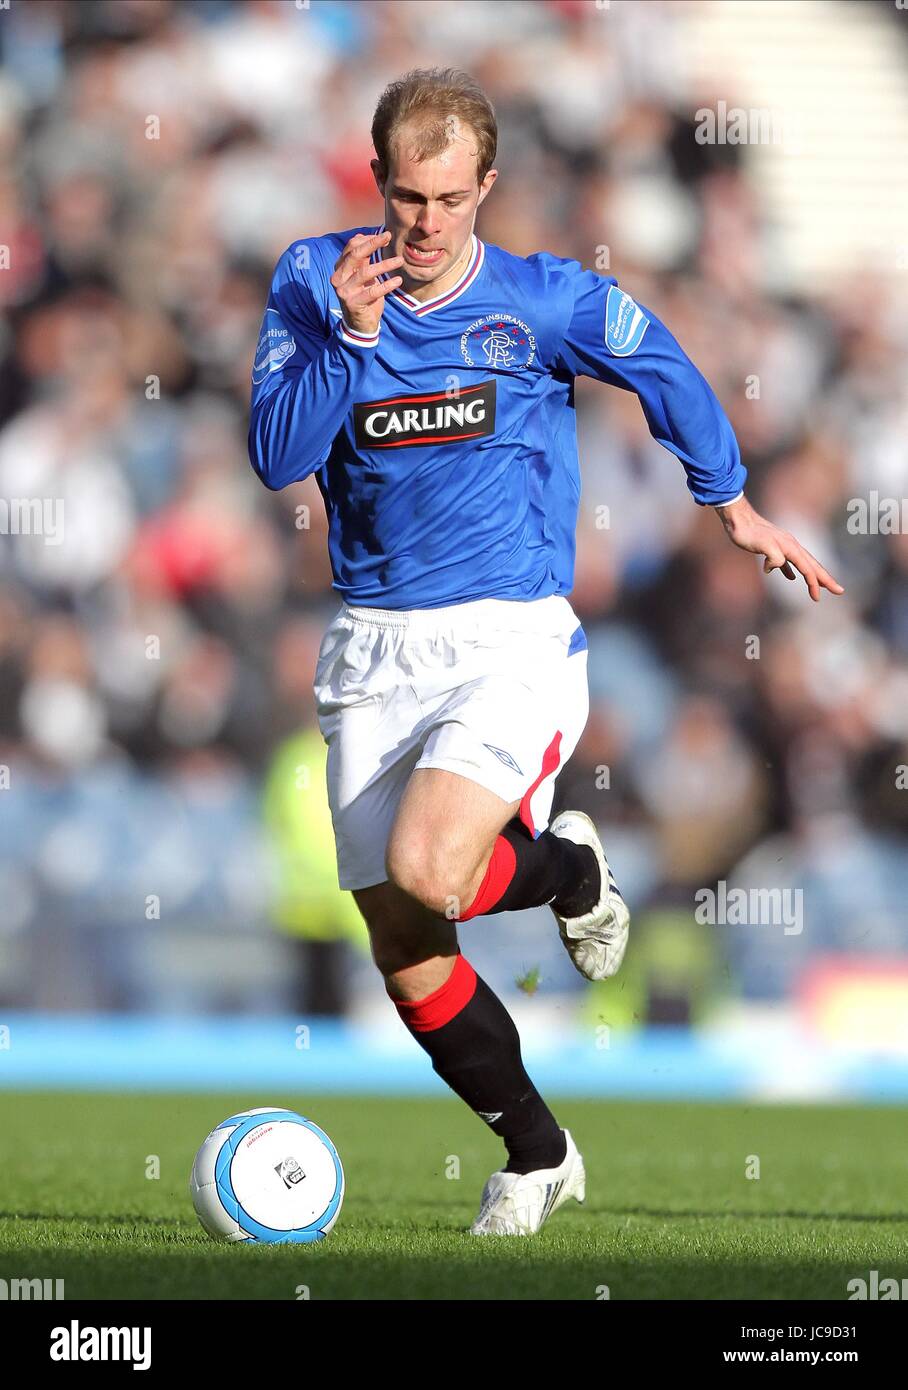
[498, 340]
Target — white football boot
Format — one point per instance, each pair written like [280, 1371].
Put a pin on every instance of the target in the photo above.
[517, 1204]
[595, 942]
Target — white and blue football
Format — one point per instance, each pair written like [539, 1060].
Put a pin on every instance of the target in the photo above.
[267, 1175]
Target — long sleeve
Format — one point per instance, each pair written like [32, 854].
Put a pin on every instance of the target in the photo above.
[308, 369]
[615, 340]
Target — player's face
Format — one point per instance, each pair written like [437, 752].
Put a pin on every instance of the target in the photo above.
[430, 208]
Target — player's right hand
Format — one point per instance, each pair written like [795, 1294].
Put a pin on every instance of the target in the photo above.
[362, 298]
[781, 551]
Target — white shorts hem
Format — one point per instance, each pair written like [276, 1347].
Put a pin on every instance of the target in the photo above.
[467, 771]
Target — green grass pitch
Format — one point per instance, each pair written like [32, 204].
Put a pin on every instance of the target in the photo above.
[670, 1212]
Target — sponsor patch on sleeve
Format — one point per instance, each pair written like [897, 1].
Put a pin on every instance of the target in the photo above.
[275, 347]
[625, 323]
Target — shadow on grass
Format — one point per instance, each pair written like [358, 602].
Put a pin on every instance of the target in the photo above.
[496, 1271]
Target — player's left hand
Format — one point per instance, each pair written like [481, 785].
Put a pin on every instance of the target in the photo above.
[782, 552]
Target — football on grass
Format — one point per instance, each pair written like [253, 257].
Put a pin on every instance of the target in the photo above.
[267, 1175]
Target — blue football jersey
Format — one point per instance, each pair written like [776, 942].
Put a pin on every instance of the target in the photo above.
[445, 446]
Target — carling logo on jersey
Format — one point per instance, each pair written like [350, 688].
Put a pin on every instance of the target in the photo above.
[625, 323]
[435, 418]
[275, 347]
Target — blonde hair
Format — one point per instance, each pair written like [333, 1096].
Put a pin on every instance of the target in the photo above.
[429, 97]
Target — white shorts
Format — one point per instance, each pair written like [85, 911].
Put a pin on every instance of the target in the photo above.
[495, 690]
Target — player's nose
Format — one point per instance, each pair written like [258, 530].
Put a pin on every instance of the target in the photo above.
[428, 222]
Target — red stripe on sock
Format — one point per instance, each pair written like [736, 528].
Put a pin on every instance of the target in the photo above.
[498, 875]
[550, 760]
[439, 1007]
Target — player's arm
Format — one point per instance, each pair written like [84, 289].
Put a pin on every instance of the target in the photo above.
[305, 376]
[612, 338]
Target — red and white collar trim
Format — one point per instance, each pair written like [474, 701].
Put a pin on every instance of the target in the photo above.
[427, 306]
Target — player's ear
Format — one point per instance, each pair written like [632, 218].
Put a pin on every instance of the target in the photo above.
[379, 175]
[486, 186]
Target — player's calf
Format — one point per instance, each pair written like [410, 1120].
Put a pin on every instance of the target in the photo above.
[413, 948]
[462, 1025]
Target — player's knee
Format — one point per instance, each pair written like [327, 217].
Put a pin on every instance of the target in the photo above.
[425, 873]
[404, 866]
[410, 872]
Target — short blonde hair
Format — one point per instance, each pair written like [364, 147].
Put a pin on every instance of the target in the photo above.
[429, 97]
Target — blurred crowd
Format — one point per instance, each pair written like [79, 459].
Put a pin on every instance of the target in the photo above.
[156, 157]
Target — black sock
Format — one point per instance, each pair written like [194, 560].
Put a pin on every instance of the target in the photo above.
[548, 869]
[477, 1052]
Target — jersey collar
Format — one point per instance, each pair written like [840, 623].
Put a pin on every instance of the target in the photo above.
[419, 307]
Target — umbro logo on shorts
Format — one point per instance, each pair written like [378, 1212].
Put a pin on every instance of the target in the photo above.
[436, 418]
[503, 757]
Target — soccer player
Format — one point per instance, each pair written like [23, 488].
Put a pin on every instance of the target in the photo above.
[426, 379]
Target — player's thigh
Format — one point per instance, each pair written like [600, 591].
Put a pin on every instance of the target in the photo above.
[403, 933]
[443, 832]
[372, 751]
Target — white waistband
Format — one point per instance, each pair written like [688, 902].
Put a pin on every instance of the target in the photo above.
[522, 615]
